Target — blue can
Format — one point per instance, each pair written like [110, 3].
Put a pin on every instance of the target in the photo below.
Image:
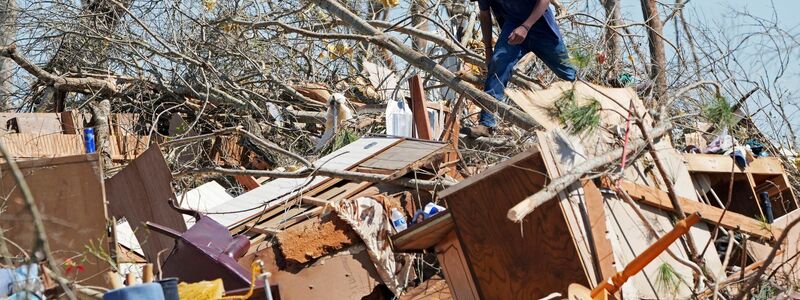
[88, 140]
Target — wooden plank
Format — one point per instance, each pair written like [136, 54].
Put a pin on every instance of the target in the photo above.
[424, 235]
[140, 193]
[555, 155]
[597, 220]
[33, 123]
[507, 260]
[731, 220]
[712, 163]
[418, 108]
[282, 189]
[403, 154]
[456, 268]
[32, 145]
[68, 192]
[248, 182]
[69, 123]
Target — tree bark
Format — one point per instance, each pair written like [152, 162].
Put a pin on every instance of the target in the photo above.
[8, 33]
[610, 36]
[101, 112]
[658, 61]
[503, 110]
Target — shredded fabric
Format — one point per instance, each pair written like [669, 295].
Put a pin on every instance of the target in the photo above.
[369, 221]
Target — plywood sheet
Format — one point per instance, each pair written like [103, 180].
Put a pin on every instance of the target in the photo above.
[508, 260]
[713, 163]
[403, 154]
[140, 193]
[275, 192]
[560, 153]
[34, 145]
[613, 101]
[70, 197]
[33, 123]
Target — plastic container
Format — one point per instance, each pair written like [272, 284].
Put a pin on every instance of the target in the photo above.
[398, 220]
[149, 291]
[88, 140]
[399, 118]
[170, 288]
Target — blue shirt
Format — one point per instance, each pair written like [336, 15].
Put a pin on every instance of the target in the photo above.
[517, 11]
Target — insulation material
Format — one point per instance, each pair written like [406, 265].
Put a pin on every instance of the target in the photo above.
[203, 198]
[315, 238]
[368, 219]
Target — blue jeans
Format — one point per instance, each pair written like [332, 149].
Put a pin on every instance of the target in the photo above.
[506, 56]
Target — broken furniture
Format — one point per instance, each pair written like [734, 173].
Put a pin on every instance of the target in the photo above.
[206, 251]
[306, 246]
[68, 192]
[488, 256]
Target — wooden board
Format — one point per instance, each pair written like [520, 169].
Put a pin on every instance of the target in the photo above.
[455, 267]
[281, 189]
[424, 235]
[402, 155]
[347, 275]
[421, 122]
[560, 153]
[508, 260]
[732, 220]
[140, 193]
[34, 145]
[69, 194]
[597, 219]
[33, 123]
[713, 163]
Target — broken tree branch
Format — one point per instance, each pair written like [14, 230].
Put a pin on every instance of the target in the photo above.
[61, 83]
[525, 207]
[417, 59]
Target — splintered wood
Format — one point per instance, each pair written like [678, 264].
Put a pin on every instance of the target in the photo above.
[316, 238]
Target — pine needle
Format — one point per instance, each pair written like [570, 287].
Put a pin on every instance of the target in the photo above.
[579, 118]
[667, 279]
[718, 111]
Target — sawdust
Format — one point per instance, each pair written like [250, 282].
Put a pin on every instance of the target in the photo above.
[315, 238]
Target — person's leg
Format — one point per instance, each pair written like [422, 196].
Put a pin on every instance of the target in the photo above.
[554, 55]
[504, 58]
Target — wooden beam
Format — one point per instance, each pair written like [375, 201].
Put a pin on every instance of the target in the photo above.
[596, 214]
[713, 163]
[419, 109]
[731, 220]
[248, 182]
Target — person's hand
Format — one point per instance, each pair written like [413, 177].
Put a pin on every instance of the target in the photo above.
[518, 35]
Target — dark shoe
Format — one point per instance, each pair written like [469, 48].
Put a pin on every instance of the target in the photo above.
[477, 131]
